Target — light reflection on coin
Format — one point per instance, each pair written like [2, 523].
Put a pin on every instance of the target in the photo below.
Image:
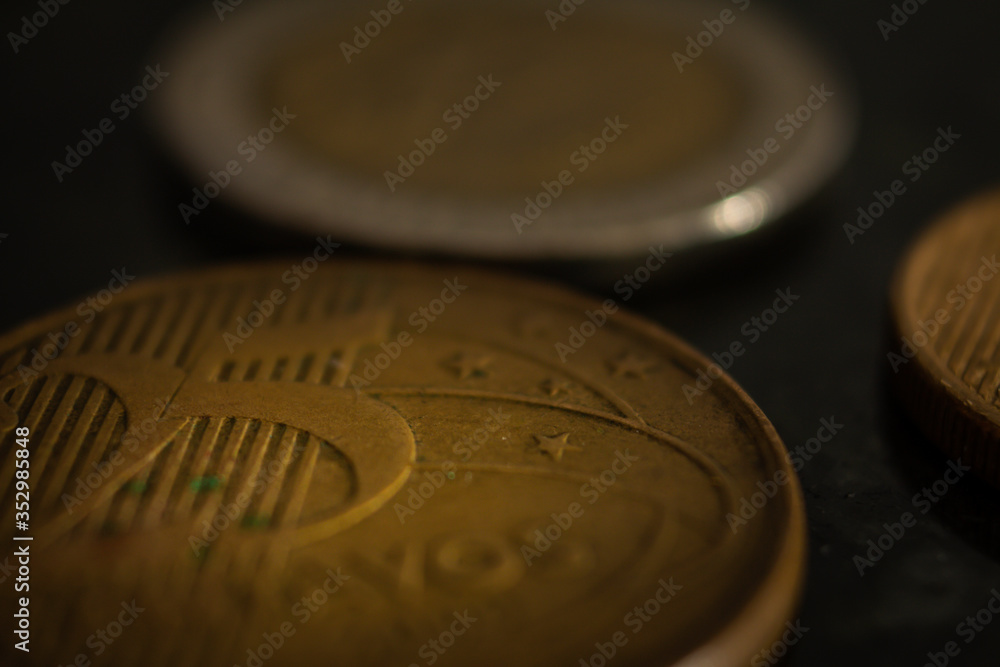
[457, 123]
[374, 457]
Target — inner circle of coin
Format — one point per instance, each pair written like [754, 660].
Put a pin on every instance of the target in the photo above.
[493, 129]
[368, 462]
[944, 355]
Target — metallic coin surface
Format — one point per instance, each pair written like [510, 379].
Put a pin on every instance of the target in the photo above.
[944, 353]
[506, 129]
[359, 463]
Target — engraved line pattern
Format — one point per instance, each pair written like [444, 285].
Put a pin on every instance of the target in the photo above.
[966, 344]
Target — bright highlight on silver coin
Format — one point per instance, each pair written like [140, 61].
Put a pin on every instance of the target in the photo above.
[506, 130]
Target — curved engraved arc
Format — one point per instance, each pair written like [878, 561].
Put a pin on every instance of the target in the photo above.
[371, 435]
[629, 416]
[598, 388]
[700, 459]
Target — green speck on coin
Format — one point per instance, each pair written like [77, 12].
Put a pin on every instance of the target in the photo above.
[255, 521]
[209, 483]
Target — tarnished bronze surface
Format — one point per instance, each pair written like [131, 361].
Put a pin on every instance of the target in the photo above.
[386, 464]
[944, 354]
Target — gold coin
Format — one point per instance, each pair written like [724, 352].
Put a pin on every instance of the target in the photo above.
[327, 462]
[944, 355]
[505, 129]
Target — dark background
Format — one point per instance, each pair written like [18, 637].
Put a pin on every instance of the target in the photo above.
[823, 358]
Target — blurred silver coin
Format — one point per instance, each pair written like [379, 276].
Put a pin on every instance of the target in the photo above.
[510, 130]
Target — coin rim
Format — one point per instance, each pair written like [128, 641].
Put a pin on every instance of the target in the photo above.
[293, 189]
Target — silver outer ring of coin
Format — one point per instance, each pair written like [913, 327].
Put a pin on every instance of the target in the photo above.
[209, 107]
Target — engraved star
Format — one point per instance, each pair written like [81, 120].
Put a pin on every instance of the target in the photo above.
[631, 366]
[555, 445]
[554, 387]
[469, 365]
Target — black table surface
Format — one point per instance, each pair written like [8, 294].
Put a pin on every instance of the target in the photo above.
[822, 359]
